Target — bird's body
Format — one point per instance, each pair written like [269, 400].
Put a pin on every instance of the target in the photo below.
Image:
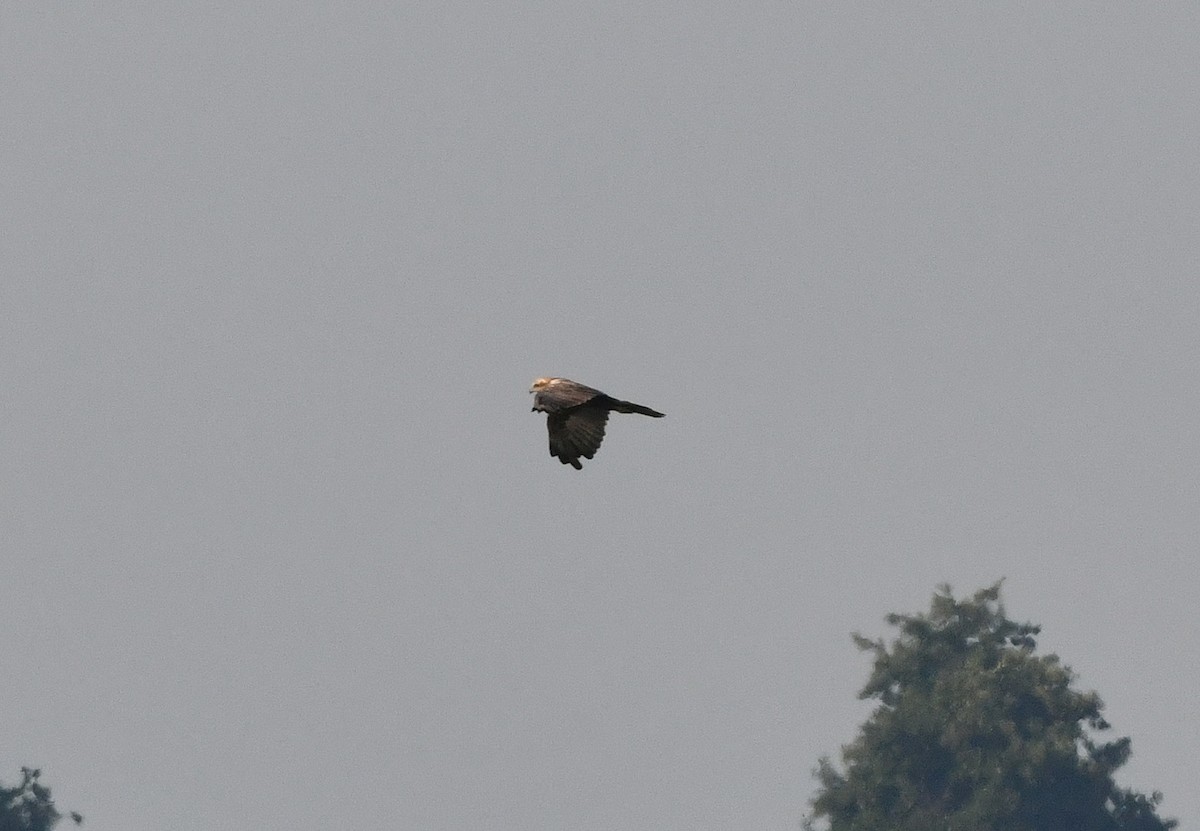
[576, 416]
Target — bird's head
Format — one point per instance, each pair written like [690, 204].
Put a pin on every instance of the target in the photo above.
[541, 384]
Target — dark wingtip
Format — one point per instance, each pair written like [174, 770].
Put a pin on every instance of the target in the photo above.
[568, 461]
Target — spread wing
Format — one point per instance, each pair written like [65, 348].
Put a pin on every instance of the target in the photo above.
[563, 395]
[576, 433]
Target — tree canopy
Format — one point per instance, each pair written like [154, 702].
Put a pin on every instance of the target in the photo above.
[975, 731]
[28, 806]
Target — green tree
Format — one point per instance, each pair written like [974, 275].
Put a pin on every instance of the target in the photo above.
[27, 807]
[974, 732]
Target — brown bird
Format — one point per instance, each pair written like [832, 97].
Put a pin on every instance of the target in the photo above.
[576, 415]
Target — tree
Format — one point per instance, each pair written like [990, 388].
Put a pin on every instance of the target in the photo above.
[974, 732]
[27, 807]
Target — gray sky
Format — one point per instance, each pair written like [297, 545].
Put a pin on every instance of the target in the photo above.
[284, 547]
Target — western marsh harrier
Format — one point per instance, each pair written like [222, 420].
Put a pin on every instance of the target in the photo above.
[576, 416]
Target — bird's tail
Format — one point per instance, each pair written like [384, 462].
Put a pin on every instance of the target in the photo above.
[630, 407]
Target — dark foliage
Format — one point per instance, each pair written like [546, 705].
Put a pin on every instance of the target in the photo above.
[974, 731]
[27, 807]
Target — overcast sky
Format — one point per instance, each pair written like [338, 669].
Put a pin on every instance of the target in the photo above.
[283, 545]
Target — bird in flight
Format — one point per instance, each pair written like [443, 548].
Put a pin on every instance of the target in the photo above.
[576, 415]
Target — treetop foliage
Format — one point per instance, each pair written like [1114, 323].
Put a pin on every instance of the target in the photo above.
[975, 731]
[28, 806]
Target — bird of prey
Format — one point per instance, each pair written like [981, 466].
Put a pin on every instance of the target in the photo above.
[576, 415]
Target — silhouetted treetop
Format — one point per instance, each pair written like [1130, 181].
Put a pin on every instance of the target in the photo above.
[976, 731]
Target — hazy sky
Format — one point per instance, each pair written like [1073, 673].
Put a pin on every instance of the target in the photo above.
[284, 548]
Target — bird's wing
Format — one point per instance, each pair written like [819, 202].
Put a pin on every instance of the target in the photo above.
[562, 396]
[576, 434]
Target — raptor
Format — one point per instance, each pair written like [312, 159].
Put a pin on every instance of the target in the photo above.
[576, 416]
